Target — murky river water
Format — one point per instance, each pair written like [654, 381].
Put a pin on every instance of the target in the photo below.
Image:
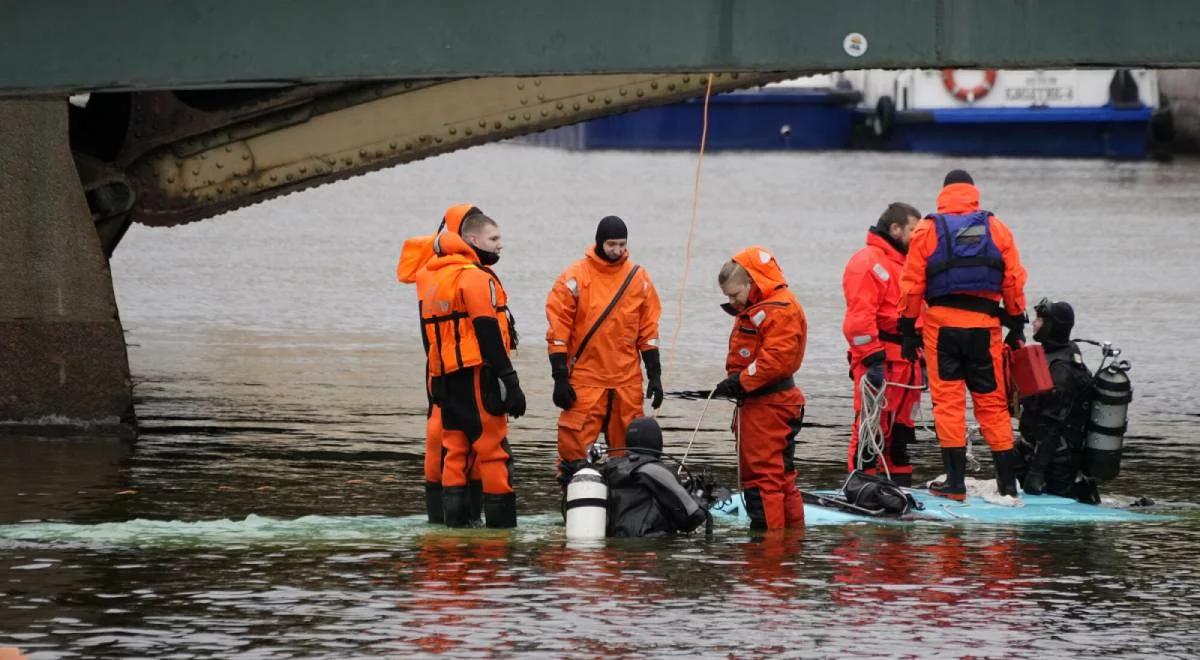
[271, 507]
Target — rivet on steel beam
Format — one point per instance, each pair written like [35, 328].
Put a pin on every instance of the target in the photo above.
[288, 177]
[304, 170]
[497, 124]
[453, 131]
[527, 116]
[467, 131]
[512, 116]
[210, 182]
[408, 146]
[576, 106]
[520, 84]
[245, 156]
[671, 87]
[170, 179]
[438, 140]
[537, 82]
[362, 153]
[541, 97]
[687, 79]
[622, 91]
[424, 138]
[545, 114]
[274, 177]
[220, 165]
[393, 146]
[482, 123]
[640, 93]
[524, 101]
[228, 150]
[203, 156]
[195, 172]
[591, 98]
[653, 85]
[220, 190]
[348, 160]
[607, 100]
[559, 105]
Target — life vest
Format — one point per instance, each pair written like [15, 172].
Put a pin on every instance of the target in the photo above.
[446, 323]
[966, 258]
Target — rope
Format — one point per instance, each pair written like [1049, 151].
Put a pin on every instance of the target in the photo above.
[695, 431]
[870, 425]
[687, 257]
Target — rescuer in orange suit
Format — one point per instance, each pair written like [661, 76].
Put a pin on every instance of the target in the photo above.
[871, 284]
[411, 269]
[766, 348]
[469, 331]
[962, 262]
[603, 311]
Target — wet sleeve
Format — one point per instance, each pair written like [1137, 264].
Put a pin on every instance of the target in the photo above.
[684, 511]
[1015, 276]
[561, 304]
[912, 278]
[864, 291]
[649, 313]
[780, 352]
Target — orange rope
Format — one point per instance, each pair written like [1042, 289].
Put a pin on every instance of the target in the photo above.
[687, 259]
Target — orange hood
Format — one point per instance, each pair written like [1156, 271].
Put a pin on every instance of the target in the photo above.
[958, 198]
[764, 271]
[417, 251]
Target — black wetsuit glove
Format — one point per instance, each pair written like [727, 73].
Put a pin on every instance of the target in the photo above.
[910, 341]
[564, 394]
[730, 388]
[1016, 330]
[654, 388]
[874, 364]
[495, 355]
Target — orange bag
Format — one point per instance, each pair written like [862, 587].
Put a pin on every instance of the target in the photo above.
[1030, 371]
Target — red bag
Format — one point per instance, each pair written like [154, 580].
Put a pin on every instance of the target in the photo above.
[1030, 371]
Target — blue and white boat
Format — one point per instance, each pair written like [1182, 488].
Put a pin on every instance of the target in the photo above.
[1095, 113]
[813, 113]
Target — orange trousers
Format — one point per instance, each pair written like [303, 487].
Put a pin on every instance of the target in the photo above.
[598, 409]
[898, 409]
[474, 439]
[435, 455]
[964, 349]
[765, 429]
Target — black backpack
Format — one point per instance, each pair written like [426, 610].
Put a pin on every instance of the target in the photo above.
[878, 494]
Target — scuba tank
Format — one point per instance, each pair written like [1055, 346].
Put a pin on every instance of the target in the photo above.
[587, 505]
[1108, 419]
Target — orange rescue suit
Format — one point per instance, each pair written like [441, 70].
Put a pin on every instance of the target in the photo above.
[766, 348]
[871, 285]
[964, 347]
[607, 376]
[411, 269]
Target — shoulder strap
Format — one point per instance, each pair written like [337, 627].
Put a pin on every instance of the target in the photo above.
[607, 310]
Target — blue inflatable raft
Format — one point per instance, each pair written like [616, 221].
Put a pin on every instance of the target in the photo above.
[826, 507]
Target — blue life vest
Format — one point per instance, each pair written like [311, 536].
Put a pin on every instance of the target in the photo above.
[966, 258]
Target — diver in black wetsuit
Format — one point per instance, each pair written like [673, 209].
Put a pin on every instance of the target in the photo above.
[645, 498]
[1054, 425]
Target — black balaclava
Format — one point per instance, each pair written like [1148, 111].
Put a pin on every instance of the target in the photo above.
[486, 258]
[611, 227]
[957, 176]
[644, 434]
[1058, 319]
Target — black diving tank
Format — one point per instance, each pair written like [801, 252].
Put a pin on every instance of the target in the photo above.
[1107, 422]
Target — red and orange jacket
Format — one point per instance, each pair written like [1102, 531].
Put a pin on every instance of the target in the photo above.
[961, 198]
[871, 285]
[577, 299]
[453, 288]
[769, 336]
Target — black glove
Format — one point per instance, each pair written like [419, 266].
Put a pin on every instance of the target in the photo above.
[654, 388]
[514, 398]
[874, 364]
[910, 341]
[1016, 330]
[564, 394]
[730, 388]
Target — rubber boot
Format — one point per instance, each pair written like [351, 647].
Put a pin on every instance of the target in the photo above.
[475, 502]
[904, 480]
[954, 487]
[754, 508]
[433, 503]
[456, 505]
[500, 511]
[1005, 465]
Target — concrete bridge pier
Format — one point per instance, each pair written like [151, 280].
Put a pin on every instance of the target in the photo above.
[63, 364]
